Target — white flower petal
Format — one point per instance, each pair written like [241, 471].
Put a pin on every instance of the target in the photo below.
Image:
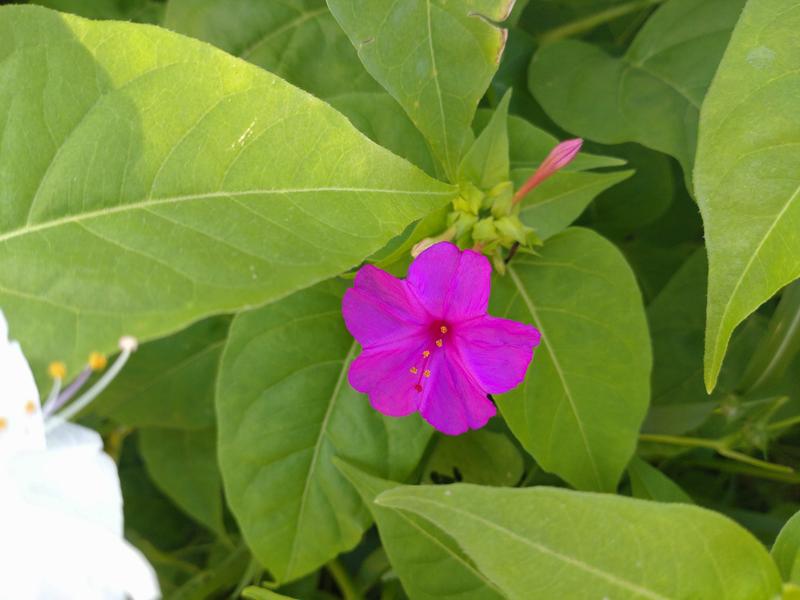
[21, 422]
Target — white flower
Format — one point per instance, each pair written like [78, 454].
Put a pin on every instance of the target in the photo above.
[61, 535]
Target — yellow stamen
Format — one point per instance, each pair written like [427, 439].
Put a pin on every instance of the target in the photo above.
[427, 373]
[426, 354]
[97, 361]
[414, 370]
[443, 329]
[3, 423]
[30, 407]
[439, 343]
[57, 370]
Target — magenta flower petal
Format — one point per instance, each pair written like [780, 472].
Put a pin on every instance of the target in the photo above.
[429, 345]
[379, 308]
[452, 285]
[496, 351]
[453, 402]
[385, 375]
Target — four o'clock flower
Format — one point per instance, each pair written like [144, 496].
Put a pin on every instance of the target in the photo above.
[429, 344]
[60, 498]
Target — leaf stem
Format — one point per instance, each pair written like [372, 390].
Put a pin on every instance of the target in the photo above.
[720, 446]
[784, 424]
[588, 23]
[343, 580]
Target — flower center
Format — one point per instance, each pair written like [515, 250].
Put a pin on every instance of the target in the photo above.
[439, 334]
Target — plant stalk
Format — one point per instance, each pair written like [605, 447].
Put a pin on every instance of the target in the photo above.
[581, 26]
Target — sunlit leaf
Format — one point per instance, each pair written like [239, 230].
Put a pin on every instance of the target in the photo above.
[747, 175]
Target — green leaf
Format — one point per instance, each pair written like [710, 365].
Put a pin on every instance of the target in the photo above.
[378, 116]
[639, 200]
[222, 575]
[579, 411]
[285, 409]
[169, 382]
[481, 456]
[611, 100]
[435, 57]
[487, 162]
[555, 203]
[648, 483]
[786, 550]
[183, 464]
[296, 39]
[142, 11]
[746, 176]
[127, 210]
[677, 323]
[553, 543]
[258, 593]
[428, 562]
[780, 346]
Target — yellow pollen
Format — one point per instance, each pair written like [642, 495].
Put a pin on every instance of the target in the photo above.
[3, 423]
[443, 329]
[30, 407]
[426, 354]
[427, 373]
[439, 343]
[414, 370]
[57, 370]
[97, 362]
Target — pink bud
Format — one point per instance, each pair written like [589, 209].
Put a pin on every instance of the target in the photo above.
[559, 157]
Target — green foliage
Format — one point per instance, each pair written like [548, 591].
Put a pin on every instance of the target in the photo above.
[184, 465]
[215, 196]
[482, 456]
[176, 210]
[428, 561]
[648, 483]
[285, 410]
[786, 550]
[587, 390]
[440, 66]
[609, 99]
[669, 550]
[170, 382]
[746, 172]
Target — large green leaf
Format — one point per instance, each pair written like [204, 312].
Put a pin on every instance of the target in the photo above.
[169, 382]
[436, 57]
[786, 550]
[379, 116]
[652, 94]
[147, 180]
[428, 562]
[579, 410]
[296, 39]
[285, 410]
[747, 176]
[184, 465]
[543, 543]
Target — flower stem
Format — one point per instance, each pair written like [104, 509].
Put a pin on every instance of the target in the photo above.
[343, 580]
[588, 23]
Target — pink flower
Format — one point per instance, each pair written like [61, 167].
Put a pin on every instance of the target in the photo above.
[559, 157]
[428, 344]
